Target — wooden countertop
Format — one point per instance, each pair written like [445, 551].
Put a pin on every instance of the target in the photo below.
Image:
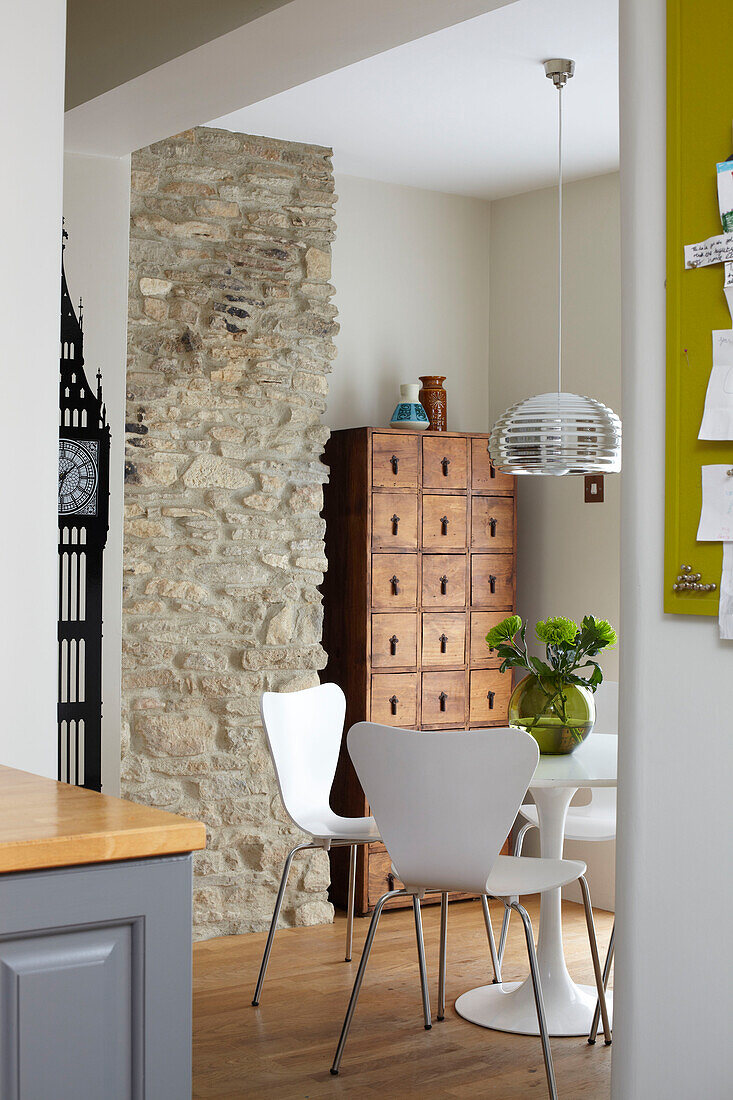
[48, 824]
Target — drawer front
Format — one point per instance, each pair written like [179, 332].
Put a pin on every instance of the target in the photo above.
[492, 581]
[444, 580]
[443, 522]
[394, 521]
[394, 581]
[394, 698]
[443, 639]
[490, 692]
[444, 463]
[481, 623]
[381, 878]
[443, 698]
[492, 523]
[484, 477]
[394, 640]
[394, 461]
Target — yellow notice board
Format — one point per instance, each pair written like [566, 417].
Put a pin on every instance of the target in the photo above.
[699, 118]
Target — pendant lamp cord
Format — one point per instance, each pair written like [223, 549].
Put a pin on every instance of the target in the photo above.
[559, 238]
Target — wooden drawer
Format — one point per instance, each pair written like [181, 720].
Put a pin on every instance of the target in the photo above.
[394, 581]
[394, 521]
[394, 640]
[492, 523]
[443, 639]
[443, 522]
[444, 580]
[443, 698]
[381, 879]
[483, 475]
[492, 581]
[394, 461]
[444, 463]
[481, 624]
[394, 698]
[489, 697]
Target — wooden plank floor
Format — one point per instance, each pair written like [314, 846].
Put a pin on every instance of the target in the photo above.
[284, 1048]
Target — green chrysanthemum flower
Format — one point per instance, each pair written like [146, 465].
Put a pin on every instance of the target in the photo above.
[606, 633]
[503, 631]
[556, 631]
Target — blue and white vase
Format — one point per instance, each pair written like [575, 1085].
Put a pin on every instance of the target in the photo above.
[409, 413]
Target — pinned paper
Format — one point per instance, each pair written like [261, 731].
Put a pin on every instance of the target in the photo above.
[715, 250]
[725, 194]
[728, 288]
[725, 612]
[717, 420]
[716, 518]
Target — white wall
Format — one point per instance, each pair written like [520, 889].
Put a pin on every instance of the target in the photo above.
[568, 550]
[674, 995]
[97, 212]
[411, 273]
[32, 86]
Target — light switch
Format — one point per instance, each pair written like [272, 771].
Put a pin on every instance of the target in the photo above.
[594, 488]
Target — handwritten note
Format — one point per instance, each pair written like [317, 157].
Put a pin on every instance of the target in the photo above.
[715, 250]
[716, 518]
[725, 611]
[717, 420]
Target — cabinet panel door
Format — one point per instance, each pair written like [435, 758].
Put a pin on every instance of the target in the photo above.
[394, 698]
[492, 581]
[394, 640]
[444, 698]
[443, 522]
[490, 692]
[484, 476]
[394, 521]
[492, 523]
[394, 461]
[394, 581]
[444, 580]
[444, 462]
[481, 623]
[443, 639]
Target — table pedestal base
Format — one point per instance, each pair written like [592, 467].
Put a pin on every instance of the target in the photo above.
[511, 1007]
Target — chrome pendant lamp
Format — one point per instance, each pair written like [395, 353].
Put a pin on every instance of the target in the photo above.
[557, 433]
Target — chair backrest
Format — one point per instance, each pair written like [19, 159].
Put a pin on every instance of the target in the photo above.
[304, 731]
[444, 802]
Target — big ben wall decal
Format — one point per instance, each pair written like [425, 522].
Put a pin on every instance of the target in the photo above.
[83, 495]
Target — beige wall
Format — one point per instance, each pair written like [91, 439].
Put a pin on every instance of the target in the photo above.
[411, 273]
[568, 550]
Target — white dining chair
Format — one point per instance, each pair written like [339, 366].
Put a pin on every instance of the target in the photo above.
[304, 730]
[444, 803]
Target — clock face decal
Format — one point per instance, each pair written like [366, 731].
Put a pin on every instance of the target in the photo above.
[78, 477]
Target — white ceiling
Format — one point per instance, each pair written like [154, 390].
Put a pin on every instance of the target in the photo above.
[467, 110]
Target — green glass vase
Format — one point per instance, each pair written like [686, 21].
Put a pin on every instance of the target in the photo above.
[558, 721]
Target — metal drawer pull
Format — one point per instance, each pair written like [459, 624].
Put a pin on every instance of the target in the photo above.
[393, 645]
[442, 697]
[492, 525]
[443, 585]
[395, 523]
[492, 584]
[490, 696]
[395, 464]
[395, 582]
[393, 704]
[443, 639]
[445, 464]
[444, 525]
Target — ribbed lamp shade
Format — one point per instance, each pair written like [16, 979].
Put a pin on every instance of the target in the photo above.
[557, 433]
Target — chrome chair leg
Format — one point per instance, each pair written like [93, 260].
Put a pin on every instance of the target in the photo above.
[443, 955]
[360, 977]
[275, 917]
[492, 945]
[594, 955]
[350, 903]
[606, 974]
[421, 962]
[539, 1002]
[517, 851]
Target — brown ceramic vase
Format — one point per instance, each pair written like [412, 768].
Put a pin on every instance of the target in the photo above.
[435, 402]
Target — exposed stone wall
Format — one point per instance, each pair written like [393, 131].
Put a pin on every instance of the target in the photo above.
[230, 345]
